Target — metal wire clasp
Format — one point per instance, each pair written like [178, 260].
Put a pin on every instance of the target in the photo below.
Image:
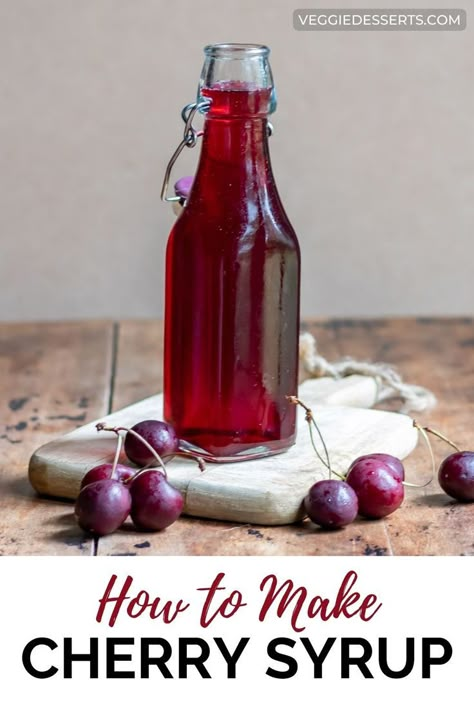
[190, 136]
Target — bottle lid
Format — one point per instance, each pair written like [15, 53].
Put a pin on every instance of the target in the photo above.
[182, 187]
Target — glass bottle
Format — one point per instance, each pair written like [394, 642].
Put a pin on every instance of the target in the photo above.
[232, 277]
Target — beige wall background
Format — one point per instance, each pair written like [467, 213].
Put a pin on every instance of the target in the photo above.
[373, 152]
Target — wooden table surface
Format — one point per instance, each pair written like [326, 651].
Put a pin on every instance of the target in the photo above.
[57, 376]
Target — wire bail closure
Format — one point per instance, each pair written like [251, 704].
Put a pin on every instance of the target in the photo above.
[190, 136]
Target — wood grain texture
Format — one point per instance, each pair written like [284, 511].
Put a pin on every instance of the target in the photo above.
[267, 491]
[38, 362]
[439, 354]
[52, 377]
[139, 362]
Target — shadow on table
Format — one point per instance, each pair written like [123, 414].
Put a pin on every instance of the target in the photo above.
[68, 532]
[439, 500]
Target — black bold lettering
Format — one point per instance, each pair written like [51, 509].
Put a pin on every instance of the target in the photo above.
[318, 659]
[112, 657]
[427, 661]
[185, 661]
[347, 660]
[410, 659]
[92, 657]
[231, 659]
[160, 662]
[26, 658]
[273, 653]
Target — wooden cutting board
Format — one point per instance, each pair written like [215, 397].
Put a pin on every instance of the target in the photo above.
[264, 491]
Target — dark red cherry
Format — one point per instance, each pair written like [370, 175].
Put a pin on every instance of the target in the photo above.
[331, 503]
[103, 471]
[378, 487]
[102, 506]
[456, 476]
[160, 436]
[156, 504]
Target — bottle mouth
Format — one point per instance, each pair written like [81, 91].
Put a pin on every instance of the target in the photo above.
[235, 69]
[236, 51]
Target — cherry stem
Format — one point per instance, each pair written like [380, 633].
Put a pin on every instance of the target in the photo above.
[309, 417]
[117, 455]
[417, 486]
[102, 427]
[422, 431]
[199, 460]
[436, 434]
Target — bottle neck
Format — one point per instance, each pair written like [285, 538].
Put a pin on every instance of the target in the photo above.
[234, 167]
[238, 143]
[235, 160]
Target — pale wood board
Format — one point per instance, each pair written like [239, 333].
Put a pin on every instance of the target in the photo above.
[267, 491]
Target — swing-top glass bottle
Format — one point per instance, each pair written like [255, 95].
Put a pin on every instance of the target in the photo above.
[232, 276]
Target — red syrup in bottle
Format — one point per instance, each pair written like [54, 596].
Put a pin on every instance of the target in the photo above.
[232, 291]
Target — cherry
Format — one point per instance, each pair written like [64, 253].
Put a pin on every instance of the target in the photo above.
[122, 473]
[393, 463]
[102, 506]
[456, 476]
[331, 503]
[160, 436]
[379, 490]
[156, 504]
